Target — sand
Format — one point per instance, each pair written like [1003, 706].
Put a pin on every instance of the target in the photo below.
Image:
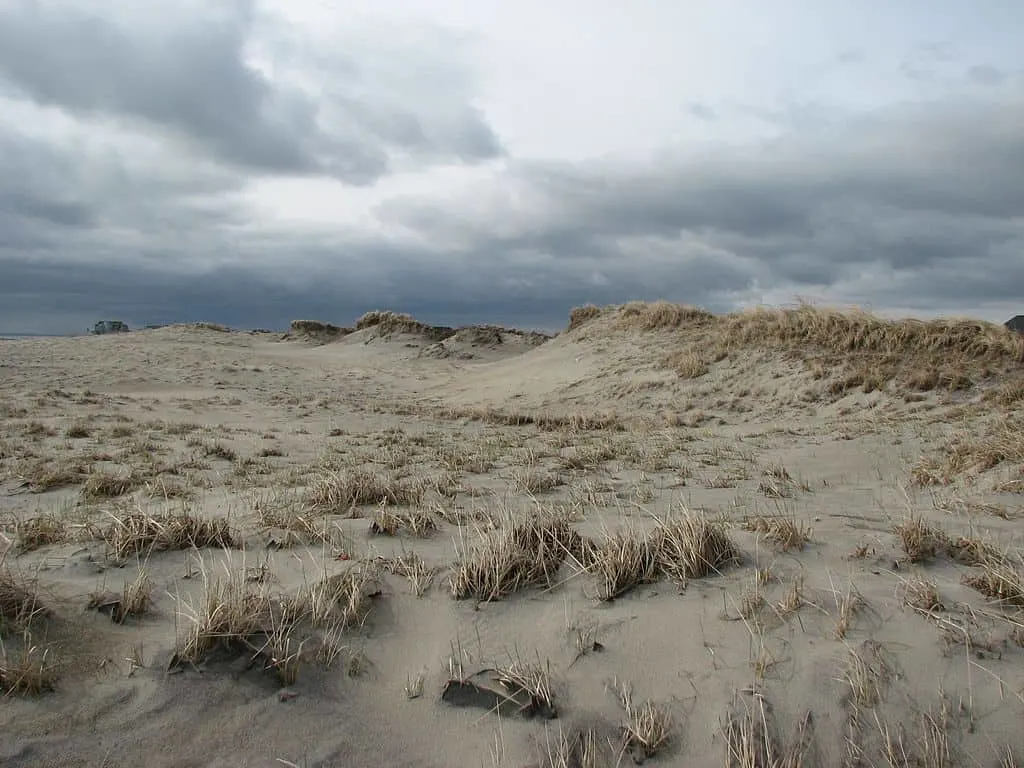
[831, 640]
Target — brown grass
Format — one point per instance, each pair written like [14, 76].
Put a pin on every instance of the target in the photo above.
[979, 448]
[787, 533]
[687, 364]
[515, 555]
[681, 547]
[574, 422]
[659, 315]
[999, 581]
[582, 315]
[648, 727]
[751, 742]
[392, 522]
[341, 493]
[922, 595]
[857, 349]
[239, 619]
[920, 540]
[104, 485]
[28, 669]
[141, 533]
[20, 605]
[40, 531]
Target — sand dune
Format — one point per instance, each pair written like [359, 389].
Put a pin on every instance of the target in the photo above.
[776, 538]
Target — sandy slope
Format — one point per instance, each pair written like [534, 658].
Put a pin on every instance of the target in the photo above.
[817, 645]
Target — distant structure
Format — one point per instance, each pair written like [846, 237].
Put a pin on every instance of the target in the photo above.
[109, 326]
[1016, 323]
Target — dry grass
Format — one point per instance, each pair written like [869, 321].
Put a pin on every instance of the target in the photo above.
[573, 422]
[919, 540]
[240, 619]
[391, 522]
[581, 315]
[659, 315]
[515, 555]
[786, 533]
[42, 476]
[689, 546]
[922, 595]
[134, 599]
[104, 485]
[687, 364]
[341, 493]
[623, 560]
[20, 605]
[681, 547]
[415, 569]
[532, 679]
[40, 531]
[999, 581]
[648, 727]
[140, 533]
[978, 448]
[26, 670]
[751, 742]
[859, 350]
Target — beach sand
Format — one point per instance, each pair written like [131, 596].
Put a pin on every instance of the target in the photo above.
[779, 538]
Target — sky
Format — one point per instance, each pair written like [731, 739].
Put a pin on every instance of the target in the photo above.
[251, 162]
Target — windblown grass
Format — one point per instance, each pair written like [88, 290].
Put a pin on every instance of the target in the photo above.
[141, 533]
[236, 618]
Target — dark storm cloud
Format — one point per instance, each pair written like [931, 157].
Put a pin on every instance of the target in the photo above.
[188, 73]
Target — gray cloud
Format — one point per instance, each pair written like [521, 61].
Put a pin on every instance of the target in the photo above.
[929, 191]
[188, 73]
[110, 212]
[986, 75]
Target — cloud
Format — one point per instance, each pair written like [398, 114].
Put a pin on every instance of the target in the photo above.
[190, 72]
[926, 191]
[216, 162]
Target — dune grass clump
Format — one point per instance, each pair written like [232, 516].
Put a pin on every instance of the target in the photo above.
[919, 540]
[20, 605]
[513, 556]
[690, 546]
[317, 328]
[40, 531]
[751, 742]
[340, 493]
[650, 316]
[572, 422]
[970, 452]
[787, 533]
[28, 669]
[579, 316]
[998, 581]
[687, 364]
[391, 522]
[235, 618]
[624, 559]
[648, 727]
[42, 476]
[141, 533]
[681, 547]
[134, 599]
[105, 485]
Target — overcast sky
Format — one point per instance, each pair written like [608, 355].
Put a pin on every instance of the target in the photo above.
[256, 161]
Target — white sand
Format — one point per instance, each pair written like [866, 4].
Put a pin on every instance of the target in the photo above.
[705, 444]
